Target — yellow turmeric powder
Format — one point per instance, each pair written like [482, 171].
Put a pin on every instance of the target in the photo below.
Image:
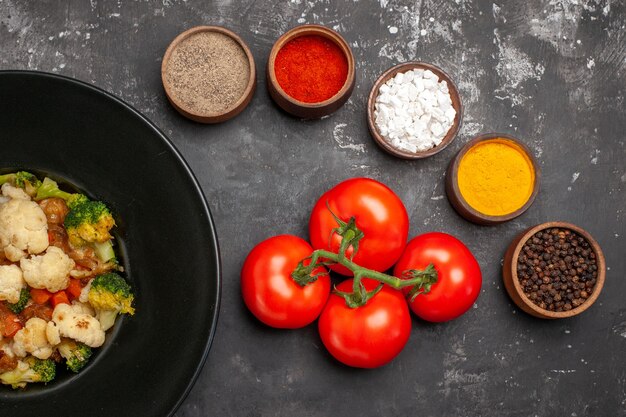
[496, 177]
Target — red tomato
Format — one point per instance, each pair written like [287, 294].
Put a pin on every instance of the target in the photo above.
[379, 214]
[270, 293]
[458, 276]
[368, 336]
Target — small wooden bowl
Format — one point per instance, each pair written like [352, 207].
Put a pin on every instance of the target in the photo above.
[299, 108]
[460, 204]
[236, 107]
[371, 107]
[511, 280]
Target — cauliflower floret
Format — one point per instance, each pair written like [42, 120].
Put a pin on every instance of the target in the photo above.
[23, 228]
[32, 339]
[52, 333]
[84, 294]
[13, 192]
[83, 308]
[73, 323]
[50, 271]
[7, 349]
[11, 283]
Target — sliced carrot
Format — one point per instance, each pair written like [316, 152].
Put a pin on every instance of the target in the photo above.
[40, 296]
[11, 327]
[74, 289]
[9, 322]
[59, 297]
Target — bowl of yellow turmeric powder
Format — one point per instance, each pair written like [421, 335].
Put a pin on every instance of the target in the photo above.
[493, 179]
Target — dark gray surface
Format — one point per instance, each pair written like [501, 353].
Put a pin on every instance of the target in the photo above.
[552, 73]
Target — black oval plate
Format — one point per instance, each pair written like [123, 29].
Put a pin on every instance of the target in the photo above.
[71, 130]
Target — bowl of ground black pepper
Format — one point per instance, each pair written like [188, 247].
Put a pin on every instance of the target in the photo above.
[208, 74]
[310, 71]
[554, 270]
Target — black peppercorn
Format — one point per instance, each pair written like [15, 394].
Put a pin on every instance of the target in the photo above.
[557, 269]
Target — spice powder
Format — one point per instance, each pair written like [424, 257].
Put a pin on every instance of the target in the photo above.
[311, 68]
[496, 177]
[208, 72]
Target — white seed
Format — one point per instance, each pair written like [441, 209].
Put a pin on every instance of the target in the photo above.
[437, 129]
[414, 111]
[419, 84]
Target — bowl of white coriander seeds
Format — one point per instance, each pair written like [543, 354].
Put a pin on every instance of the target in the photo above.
[414, 110]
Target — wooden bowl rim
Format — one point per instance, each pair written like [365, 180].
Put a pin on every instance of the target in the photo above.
[234, 108]
[476, 215]
[454, 93]
[600, 261]
[304, 30]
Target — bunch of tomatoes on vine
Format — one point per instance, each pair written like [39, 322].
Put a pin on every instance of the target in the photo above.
[359, 229]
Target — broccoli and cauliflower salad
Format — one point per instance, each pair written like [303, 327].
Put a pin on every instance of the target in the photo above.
[60, 282]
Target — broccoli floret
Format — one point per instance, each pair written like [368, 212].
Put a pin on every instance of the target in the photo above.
[49, 188]
[22, 179]
[76, 354]
[104, 251]
[10, 178]
[30, 369]
[29, 182]
[88, 222]
[110, 295]
[21, 303]
[110, 291]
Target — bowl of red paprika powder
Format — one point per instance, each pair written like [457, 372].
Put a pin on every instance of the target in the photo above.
[310, 71]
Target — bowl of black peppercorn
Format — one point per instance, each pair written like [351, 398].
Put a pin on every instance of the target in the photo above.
[554, 270]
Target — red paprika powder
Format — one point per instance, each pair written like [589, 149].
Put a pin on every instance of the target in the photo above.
[311, 68]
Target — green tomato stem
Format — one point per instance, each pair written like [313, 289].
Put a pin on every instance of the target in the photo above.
[359, 272]
[419, 280]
